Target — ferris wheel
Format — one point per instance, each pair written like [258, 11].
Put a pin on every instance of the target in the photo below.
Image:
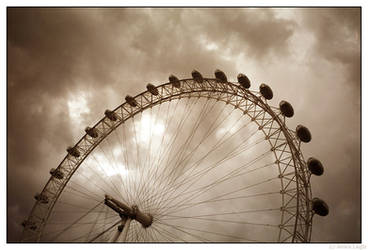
[200, 159]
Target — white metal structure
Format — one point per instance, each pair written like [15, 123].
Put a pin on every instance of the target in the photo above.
[200, 160]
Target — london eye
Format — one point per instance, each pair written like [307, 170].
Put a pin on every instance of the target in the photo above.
[191, 160]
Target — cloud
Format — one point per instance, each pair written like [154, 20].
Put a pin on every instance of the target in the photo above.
[54, 55]
[337, 38]
[256, 32]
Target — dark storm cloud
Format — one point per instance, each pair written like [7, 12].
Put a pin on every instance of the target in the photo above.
[337, 38]
[334, 57]
[256, 32]
[51, 49]
[55, 52]
[108, 53]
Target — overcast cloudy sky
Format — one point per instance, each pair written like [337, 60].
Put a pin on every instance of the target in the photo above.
[66, 66]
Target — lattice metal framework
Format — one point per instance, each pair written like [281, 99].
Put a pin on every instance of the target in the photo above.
[296, 216]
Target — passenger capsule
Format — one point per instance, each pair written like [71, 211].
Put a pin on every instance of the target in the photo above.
[319, 207]
[220, 76]
[174, 81]
[152, 89]
[197, 76]
[73, 151]
[244, 81]
[303, 133]
[315, 166]
[286, 109]
[30, 224]
[131, 101]
[41, 198]
[111, 115]
[266, 91]
[56, 173]
[91, 132]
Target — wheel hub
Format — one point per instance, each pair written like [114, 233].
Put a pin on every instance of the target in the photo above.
[125, 211]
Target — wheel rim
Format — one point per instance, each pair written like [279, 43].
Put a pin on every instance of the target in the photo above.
[294, 189]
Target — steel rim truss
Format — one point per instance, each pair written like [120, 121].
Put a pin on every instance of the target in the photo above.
[295, 224]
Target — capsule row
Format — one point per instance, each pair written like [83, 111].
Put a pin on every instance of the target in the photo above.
[92, 132]
[285, 107]
[303, 134]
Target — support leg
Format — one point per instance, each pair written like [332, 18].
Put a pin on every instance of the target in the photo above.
[124, 234]
[119, 230]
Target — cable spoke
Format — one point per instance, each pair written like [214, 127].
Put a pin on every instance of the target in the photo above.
[201, 168]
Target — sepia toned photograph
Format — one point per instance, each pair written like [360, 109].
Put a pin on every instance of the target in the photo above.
[183, 125]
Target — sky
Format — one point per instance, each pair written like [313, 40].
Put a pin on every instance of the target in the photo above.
[66, 66]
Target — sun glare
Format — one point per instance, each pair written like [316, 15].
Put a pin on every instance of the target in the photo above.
[149, 126]
[77, 106]
[110, 168]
